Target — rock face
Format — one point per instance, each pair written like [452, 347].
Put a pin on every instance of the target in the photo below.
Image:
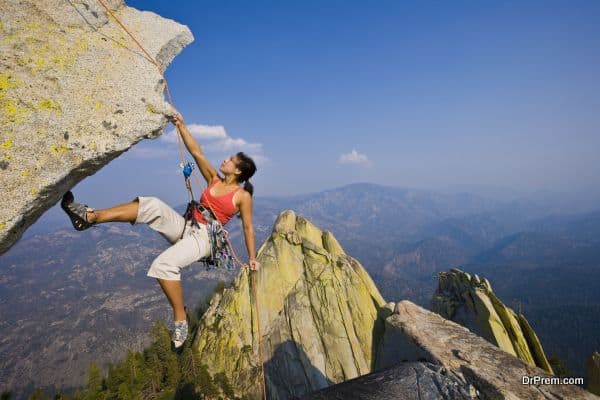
[413, 333]
[318, 312]
[407, 381]
[75, 92]
[470, 301]
[592, 367]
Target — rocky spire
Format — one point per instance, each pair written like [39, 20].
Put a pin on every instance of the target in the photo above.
[318, 316]
[470, 301]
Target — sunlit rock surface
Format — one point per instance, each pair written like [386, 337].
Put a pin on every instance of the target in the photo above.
[470, 301]
[318, 313]
[75, 92]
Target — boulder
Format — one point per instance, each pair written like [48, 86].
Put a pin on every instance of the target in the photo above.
[415, 334]
[75, 93]
[407, 381]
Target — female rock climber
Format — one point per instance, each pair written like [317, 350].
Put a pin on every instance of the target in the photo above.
[190, 240]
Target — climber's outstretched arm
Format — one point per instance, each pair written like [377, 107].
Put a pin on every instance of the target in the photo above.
[208, 171]
[245, 206]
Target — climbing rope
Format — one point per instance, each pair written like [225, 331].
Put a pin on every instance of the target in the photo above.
[188, 186]
[264, 384]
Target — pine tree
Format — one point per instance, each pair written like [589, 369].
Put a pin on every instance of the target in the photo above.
[169, 364]
[38, 394]
[190, 364]
[205, 384]
[152, 376]
[94, 385]
[116, 376]
[124, 393]
[135, 367]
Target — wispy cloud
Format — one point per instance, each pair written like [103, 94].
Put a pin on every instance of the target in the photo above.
[215, 139]
[354, 157]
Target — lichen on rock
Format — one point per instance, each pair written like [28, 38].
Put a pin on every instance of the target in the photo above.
[318, 313]
[67, 70]
[471, 302]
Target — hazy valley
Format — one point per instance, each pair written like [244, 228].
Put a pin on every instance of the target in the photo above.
[69, 298]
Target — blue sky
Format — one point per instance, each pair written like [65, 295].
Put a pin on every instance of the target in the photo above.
[412, 94]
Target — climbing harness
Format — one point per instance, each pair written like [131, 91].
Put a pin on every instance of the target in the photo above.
[188, 170]
[220, 255]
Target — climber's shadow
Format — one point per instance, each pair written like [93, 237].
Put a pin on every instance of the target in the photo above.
[187, 392]
[377, 336]
[291, 374]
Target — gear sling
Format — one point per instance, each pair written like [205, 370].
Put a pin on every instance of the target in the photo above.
[220, 256]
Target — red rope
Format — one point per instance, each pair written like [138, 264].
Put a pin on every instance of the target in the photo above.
[262, 364]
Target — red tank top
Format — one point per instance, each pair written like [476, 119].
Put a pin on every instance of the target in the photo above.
[222, 206]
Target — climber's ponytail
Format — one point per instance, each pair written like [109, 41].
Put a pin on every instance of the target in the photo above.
[248, 168]
[248, 187]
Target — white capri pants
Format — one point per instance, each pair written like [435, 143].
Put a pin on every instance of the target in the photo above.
[194, 245]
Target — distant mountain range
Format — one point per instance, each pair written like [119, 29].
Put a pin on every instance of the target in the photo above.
[70, 297]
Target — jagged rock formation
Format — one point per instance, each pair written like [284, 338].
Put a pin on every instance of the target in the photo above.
[470, 301]
[318, 316]
[322, 322]
[75, 92]
[407, 381]
[412, 333]
[592, 367]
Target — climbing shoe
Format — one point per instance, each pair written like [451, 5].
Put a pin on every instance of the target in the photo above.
[180, 333]
[76, 212]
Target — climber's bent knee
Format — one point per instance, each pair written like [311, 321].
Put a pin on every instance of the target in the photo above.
[148, 209]
[194, 246]
[163, 269]
[160, 217]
